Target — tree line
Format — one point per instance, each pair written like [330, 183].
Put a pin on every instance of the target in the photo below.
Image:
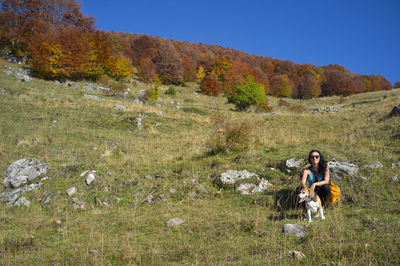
[61, 42]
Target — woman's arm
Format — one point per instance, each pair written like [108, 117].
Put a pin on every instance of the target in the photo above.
[323, 182]
[304, 178]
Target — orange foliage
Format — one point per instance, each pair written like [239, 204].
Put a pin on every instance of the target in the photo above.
[210, 86]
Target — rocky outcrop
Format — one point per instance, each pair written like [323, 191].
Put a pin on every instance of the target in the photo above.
[23, 74]
[291, 165]
[339, 170]
[4, 92]
[93, 97]
[244, 182]
[22, 171]
[325, 110]
[95, 88]
[174, 222]
[374, 165]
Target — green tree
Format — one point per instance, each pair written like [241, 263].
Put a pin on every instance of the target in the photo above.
[246, 94]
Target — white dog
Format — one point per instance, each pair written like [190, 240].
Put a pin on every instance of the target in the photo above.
[313, 203]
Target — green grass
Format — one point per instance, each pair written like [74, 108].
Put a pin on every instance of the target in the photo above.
[220, 227]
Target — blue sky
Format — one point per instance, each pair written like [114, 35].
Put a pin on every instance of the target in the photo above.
[363, 36]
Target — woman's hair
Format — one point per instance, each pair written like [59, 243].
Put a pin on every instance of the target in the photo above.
[322, 165]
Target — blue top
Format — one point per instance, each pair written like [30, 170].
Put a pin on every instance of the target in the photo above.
[311, 179]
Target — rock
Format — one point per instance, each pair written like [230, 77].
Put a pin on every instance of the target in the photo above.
[395, 165]
[296, 254]
[119, 200]
[174, 222]
[22, 201]
[23, 95]
[341, 169]
[71, 191]
[136, 101]
[94, 88]
[46, 200]
[138, 196]
[10, 197]
[78, 204]
[119, 107]
[374, 165]
[161, 198]
[291, 165]
[8, 72]
[4, 92]
[325, 110]
[294, 229]
[395, 178]
[172, 191]
[395, 111]
[242, 181]
[106, 203]
[90, 178]
[23, 77]
[24, 170]
[93, 251]
[72, 84]
[93, 97]
[139, 123]
[158, 105]
[141, 92]
[201, 189]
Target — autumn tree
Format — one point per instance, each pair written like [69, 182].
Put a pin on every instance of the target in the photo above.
[210, 85]
[220, 66]
[20, 19]
[308, 87]
[280, 85]
[168, 63]
[337, 83]
[397, 84]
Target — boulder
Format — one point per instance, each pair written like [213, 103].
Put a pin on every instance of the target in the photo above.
[325, 110]
[395, 111]
[72, 84]
[244, 182]
[136, 101]
[10, 197]
[94, 88]
[395, 178]
[23, 171]
[339, 170]
[294, 229]
[78, 204]
[395, 165]
[22, 201]
[174, 222]
[119, 107]
[374, 165]
[93, 97]
[71, 191]
[296, 254]
[139, 123]
[4, 92]
[291, 165]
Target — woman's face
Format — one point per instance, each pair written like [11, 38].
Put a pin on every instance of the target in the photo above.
[315, 157]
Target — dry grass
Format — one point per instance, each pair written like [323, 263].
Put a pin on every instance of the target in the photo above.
[221, 227]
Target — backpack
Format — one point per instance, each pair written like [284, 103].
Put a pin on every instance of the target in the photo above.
[335, 193]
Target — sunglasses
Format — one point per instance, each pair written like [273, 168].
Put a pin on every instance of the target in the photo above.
[314, 157]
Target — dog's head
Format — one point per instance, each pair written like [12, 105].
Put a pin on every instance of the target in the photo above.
[306, 193]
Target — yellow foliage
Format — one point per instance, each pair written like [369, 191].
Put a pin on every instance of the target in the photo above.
[200, 74]
[118, 67]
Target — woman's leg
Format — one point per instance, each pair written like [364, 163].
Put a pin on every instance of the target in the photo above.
[323, 193]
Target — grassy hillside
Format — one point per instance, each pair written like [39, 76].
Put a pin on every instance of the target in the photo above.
[73, 134]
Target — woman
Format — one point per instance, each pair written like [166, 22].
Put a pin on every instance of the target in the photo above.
[317, 176]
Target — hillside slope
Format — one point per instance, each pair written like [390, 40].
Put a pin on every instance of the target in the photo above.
[167, 160]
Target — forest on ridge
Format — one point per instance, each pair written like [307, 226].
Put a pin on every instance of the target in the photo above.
[62, 43]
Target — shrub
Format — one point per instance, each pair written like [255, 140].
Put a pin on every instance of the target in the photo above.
[210, 86]
[282, 102]
[246, 94]
[228, 135]
[171, 91]
[264, 107]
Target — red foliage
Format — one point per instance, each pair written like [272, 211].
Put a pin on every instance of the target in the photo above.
[396, 85]
[238, 73]
[337, 83]
[210, 86]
